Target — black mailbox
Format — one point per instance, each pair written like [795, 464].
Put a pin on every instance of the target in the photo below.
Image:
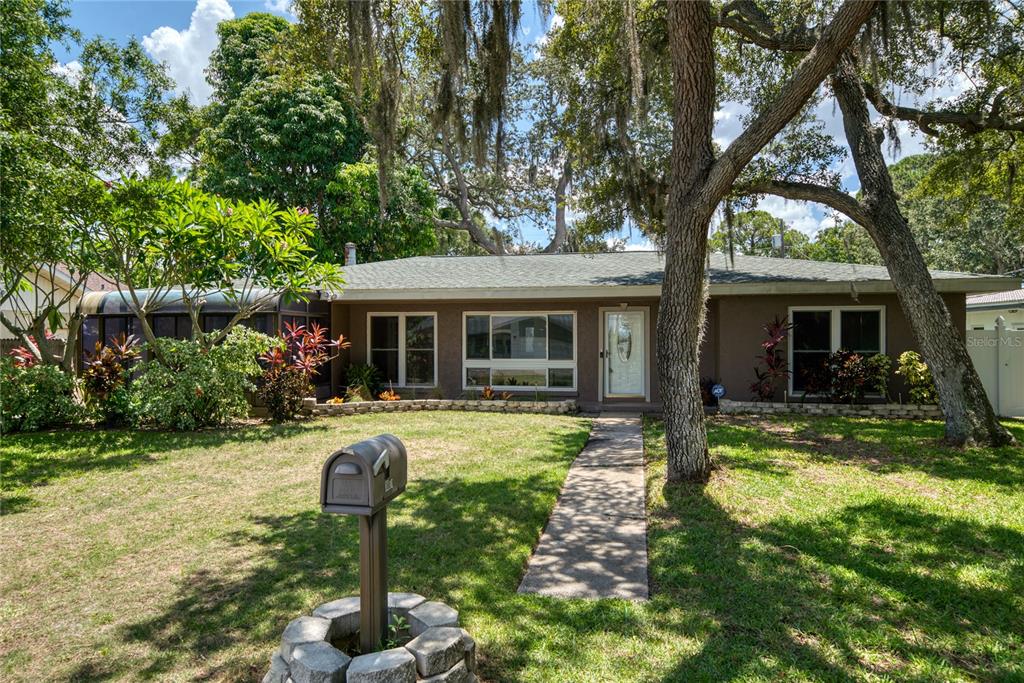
[364, 477]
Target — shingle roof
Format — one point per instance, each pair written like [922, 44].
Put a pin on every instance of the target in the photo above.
[630, 268]
[1008, 297]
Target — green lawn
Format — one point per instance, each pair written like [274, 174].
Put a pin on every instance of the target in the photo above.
[821, 549]
[836, 549]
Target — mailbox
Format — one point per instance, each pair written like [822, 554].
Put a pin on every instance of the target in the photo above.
[364, 477]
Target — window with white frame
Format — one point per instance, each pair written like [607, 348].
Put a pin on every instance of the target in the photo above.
[403, 346]
[520, 350]
[817, 332]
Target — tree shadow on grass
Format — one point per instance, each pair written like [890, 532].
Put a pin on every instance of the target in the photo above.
[882, 446]
[459, 540]
[876, 589]
[36, 459]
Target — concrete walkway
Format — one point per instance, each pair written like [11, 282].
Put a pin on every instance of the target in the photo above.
[595, 543]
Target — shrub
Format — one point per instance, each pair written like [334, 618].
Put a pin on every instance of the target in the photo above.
[36, 396]
[919, 378]
[292, 364]
[105, 379]
[775, 367]
[846, 376]
[849, 376]
[355, 394]
[363, 380]
[879, 371]
[195, 388]
[282, 390]
[389, 395]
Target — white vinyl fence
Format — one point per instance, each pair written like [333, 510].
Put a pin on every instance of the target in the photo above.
[998, 356]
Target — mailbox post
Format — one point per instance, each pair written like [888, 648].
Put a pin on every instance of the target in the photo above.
[362, 479]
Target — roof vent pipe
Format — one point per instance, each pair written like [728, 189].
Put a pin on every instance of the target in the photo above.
[350, 253]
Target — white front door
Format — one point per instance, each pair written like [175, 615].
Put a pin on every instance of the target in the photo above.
[624, 353]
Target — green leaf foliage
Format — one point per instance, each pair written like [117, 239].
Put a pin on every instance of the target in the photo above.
[295, 135]
[918, 377]
[282, 138]
[405, 229]
[169, 241]
[197, 387]
[36, 397]
[62, 129]
[752, 234]
[964, 217]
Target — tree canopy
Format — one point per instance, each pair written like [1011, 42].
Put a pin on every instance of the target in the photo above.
[168, 242]
[63, 130]
[288, 132]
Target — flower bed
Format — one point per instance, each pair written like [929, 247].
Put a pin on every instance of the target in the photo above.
[566, 407]
[904, 411]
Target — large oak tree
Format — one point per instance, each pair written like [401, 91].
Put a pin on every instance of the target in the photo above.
[995, 106]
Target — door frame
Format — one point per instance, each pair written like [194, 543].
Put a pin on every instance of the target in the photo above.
[602, 324]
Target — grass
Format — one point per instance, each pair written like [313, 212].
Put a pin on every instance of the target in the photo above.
[173, 557]
[836, 549]
[820, 550]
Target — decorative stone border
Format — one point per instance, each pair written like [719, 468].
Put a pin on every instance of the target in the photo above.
[902, 411]
[566, 407]
[439, 652]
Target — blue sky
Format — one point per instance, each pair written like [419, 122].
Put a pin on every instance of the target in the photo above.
[182, 33]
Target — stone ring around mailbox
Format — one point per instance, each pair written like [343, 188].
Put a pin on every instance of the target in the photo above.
[427, 643]
[438, 652]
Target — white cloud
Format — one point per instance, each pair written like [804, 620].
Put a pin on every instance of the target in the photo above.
[557, 22]
[71, 72]
[728, 123]
[643, 244]
[187, 53]
[802, 216]
[281, 7]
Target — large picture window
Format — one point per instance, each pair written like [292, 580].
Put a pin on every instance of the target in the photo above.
[403, 346]
[817, 332]
[520, 350]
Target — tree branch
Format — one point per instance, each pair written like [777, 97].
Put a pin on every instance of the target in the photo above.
[809, 192]
[812, 70]
[467, 223]
[744, 18]
[558, 239]
[971, 122]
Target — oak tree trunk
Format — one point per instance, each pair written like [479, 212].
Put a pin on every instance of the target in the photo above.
[969, 415]
[698, 182]
[682, 307]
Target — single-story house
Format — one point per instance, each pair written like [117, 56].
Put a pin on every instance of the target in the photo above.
[583, 325]
[575, 325]
[983, 309]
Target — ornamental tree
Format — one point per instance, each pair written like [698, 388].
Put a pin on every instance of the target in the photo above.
[168, 242]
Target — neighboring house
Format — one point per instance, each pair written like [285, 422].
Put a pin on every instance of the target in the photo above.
[583, 325]
[48, 284]
[983, 309]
